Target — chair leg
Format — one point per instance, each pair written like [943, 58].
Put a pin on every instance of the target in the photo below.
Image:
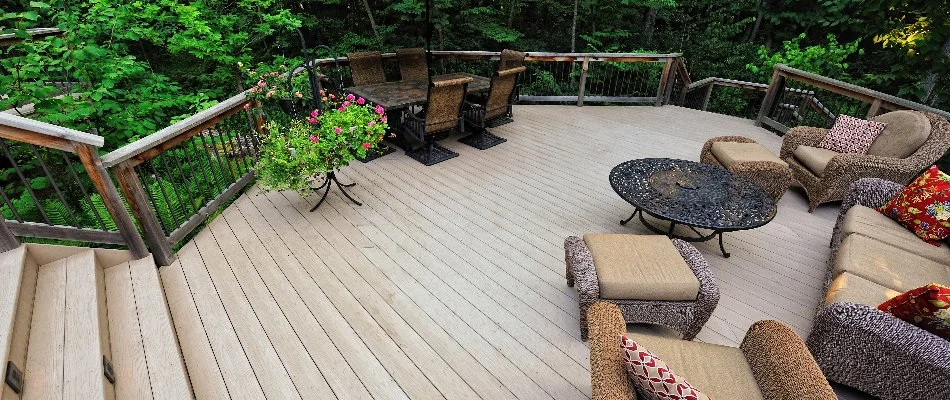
[431, 153]
[482, 139]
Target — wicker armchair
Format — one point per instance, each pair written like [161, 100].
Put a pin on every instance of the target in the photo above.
[779, 363]
[412, 64]
[366, 68]
[831, 181]
[441, 116]
[481, 115]
[512, 59]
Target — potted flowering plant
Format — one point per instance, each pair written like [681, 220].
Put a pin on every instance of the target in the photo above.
[293, 153]
[269, 84]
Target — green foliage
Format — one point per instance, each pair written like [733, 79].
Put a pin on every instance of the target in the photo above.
[293, 153]
[828, 59]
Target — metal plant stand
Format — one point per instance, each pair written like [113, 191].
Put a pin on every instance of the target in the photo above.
[694, 195]
[327, 183]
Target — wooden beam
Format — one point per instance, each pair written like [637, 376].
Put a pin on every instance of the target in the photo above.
[8, 240]
[874, 109]
[165, 146]
[135, 195]
[110, 197]
[776, 85]
[209, 208]
[583, 82]
[37, 230]
[664, 80]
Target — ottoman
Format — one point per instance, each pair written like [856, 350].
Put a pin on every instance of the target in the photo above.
[651, 278]
[749, 159]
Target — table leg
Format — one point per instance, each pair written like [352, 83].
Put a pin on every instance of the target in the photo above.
[624, 221]
[722, 248]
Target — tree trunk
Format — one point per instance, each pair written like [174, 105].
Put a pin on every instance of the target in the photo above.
[372, 22]
[648, 23]
[511, 12]
[930, 81]
[758, 21]
[574, 27]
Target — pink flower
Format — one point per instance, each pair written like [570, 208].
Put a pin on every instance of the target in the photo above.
[299, 95]
[379, 109]
[366, 145]
[312, 120]
[371, 123]
[346, 103]
[384, 119]
[360, 101]
[341, 109]
[314, 139]
[332, 96]
[247, 106]
[323, 92]
[315, 113]
[261, 84]
[270, 94]
[350, 97]
[337, 130]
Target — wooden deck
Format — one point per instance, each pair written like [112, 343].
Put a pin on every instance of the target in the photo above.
[448, 281]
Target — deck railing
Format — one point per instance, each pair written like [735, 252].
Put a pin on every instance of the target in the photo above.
[177, 177]
[45, 193]
[796, 97]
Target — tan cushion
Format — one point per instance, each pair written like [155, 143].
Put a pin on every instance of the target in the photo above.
[729, 153]
[814, 158]
[718, 371]
[848, 288]
[887, 265]
[641, 267]
[905, 132]
[869, 222]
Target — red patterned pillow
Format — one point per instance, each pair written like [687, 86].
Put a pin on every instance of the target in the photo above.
[653, 377]
[924, 206]
[851, 135]
[927, 307]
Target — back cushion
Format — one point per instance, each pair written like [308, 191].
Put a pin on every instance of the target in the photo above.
[905, 132]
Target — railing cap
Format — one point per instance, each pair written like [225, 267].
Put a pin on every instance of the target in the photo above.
[48, 129]
[144, 144]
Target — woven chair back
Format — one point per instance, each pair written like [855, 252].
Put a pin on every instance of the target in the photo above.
[510, 59]
[412, 64]
[445, 104]
[367, 68]
[499, 96]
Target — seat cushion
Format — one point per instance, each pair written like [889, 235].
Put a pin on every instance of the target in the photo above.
[641, 267]
[850, 288]
[729, 153]
[814, 158]
[720, 372]
[868, 222]
[654, 377]
[905, 132]
[887, 265]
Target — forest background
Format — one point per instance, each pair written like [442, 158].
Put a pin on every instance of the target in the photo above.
[142, 65]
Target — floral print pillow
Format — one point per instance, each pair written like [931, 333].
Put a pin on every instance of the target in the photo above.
[653, 377]
[924, 206]
[851, 135]
[926, 307]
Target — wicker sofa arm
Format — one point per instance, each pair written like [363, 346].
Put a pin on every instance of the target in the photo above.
[608, 378]
[868, 192]
[580, 269]
[880, 354]
[708, 297]
[800, 136]
[782, 365]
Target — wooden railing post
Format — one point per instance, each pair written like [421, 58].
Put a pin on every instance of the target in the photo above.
[583, 83]
[776, 86]
[110, 197]
[874, 109]
[664, 81]
[708, 96]
[8, 241]
[135, 195]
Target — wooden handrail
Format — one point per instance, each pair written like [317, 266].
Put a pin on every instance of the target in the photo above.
[15, 127]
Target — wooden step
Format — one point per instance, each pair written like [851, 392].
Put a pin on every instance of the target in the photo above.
[145, 351]
[69, 333]
[17, 285]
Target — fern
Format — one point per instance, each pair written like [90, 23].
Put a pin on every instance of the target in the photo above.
[57, 212]
[170, 210]
[97, 206]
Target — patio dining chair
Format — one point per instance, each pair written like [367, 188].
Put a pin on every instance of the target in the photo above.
[492, 110]
[366, 68]
[512, 59]
[412, 64]
[440, 117]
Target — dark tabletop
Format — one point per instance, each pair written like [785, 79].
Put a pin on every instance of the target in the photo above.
[404, 94]
[693, 194]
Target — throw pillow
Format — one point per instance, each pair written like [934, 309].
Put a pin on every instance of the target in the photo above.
[926, 307]
[653, 377]
[924, 206]
[851, 135]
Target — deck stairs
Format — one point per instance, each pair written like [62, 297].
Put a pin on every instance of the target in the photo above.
[80, 323]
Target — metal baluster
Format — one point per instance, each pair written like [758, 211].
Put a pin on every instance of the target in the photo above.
[3, 193]
[143, 178]
[26, 184]
[58, 192]
[85, 193]
[184, 180]
[227, 158]
[161, 188]
[213, 154]
[191, 162]
[240, 143]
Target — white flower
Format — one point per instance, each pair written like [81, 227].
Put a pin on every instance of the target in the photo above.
[943, 314]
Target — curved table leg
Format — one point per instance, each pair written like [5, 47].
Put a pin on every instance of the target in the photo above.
[722, 248]
[624, 221]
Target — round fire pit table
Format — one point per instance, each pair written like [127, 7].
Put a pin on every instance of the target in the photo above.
[697, 196]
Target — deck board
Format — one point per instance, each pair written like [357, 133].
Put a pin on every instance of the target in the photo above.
[448, 281]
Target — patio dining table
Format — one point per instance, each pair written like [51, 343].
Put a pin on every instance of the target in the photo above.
[400, 95]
